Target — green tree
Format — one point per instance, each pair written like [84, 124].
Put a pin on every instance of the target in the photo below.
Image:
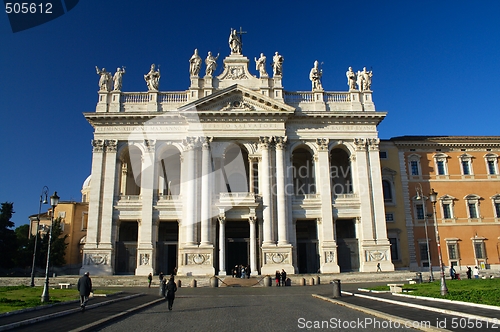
[24, 254]
[7, 236]
[58, 249]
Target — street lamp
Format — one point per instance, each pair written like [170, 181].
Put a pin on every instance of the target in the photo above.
[433, 198]
[45, 191]
[420, 196]
[54, 200]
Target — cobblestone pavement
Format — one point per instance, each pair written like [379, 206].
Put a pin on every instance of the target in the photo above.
[249, 309]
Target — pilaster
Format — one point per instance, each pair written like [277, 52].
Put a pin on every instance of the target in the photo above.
[95, 194]
[103, 101]
[278, 88]
[153, 101]
[264, 142]
[356, 100]
[115, 103]
[145, 239]
[108, 197]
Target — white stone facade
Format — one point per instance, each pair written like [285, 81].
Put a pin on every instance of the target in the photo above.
[235, 170]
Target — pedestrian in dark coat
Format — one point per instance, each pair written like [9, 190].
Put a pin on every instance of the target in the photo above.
[85, 288]
[171, 289]
[150, 279]
[469, 272]
[283, 277]
[278, 278]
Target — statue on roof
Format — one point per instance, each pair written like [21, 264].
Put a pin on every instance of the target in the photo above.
[211, 63]
[118, 78]
[315, 77]
[260, 65]
[153, 78]
[104, 80]
[195, 64]
[277, 64]
[351, 79]
[234, 42]
[367, 79]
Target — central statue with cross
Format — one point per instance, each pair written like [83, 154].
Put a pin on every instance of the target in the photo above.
[235, 41]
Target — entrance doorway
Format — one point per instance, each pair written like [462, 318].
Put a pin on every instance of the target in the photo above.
[307, 246]
[348, 246]
[237, 244]
[126, 248]
[166, 247]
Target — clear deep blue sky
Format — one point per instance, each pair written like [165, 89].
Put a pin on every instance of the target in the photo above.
[435, 64]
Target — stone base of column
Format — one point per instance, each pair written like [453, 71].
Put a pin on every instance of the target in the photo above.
[144, 262]
[97, 262]
[373, 255]
[196, 262]
[277, 258]
[222, 273]
[329, 262]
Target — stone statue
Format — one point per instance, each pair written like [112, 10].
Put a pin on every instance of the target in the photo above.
[359, 81]
[234, 42]
[153, 79]
[260, 65]
[104, 80]
[195, 64]
[117, 79]
[367, 79]
[351, 79]
[277, 64]
[315, 77]
[211, 63]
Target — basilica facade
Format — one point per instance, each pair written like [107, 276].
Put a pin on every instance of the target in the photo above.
[235, 170]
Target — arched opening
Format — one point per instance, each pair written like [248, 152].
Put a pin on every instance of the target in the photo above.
[340, 172]
[169, 172]
[236, 169]
[303, 172]
[130, 171]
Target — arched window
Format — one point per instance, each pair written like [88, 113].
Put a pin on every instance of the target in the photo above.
[387, 190]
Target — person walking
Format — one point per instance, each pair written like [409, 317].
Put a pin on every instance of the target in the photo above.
[283, 277]
[150, 279]
[452, 273]
[469, 272]
[85, 288]
[278, 278]
[171, 289]
[476, 272]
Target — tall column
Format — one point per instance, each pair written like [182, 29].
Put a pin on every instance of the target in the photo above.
[206, 192]
[108, 196]
[95, 193]
[145, 236]
[328, 248]
[222, 245]
[250, 175]
[280, 184]
[253, 253]
[266, 190]
[123, 179]
[190, 198]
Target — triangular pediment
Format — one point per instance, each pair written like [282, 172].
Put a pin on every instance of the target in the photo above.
[237, 99]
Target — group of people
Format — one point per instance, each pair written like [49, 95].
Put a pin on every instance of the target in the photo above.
[167, 288]
[241, 271]
[469, 272]
[280, 278]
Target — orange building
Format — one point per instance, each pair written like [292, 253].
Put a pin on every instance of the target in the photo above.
[74, 218]
[464, 172]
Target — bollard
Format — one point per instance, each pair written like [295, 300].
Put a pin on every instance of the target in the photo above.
[193, 283]
[178, 283]
[311, 282]
[336, 288]
[316, 280]
[267, 281]
[214, 282]
[419, 277]
[302, 282]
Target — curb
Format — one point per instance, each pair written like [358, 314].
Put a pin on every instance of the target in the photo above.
[470, 304]
[379, 314]
[61, 313]
[103, 321]
[418, 306]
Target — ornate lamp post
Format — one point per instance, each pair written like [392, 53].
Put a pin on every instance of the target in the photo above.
[433, 198]
[45, 191]
[420, 196]
[54, 200]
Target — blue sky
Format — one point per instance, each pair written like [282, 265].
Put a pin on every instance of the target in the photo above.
[436, 68]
